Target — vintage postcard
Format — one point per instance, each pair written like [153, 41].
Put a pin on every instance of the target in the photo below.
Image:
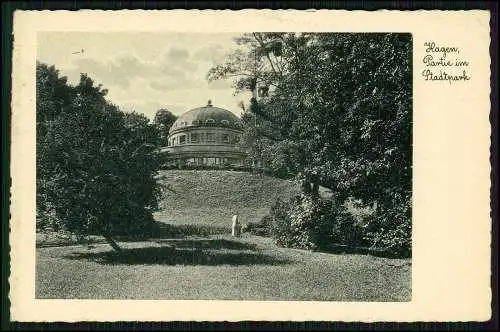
[202, 165]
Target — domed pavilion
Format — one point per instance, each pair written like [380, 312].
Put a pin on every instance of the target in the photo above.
[208, 136]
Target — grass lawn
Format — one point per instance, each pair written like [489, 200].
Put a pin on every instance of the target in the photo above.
[204, 262]
[218, 267]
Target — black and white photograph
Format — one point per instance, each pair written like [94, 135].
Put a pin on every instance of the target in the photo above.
[224, 166]
[252, 165]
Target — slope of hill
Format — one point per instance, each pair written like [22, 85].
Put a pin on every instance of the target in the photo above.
[212, 197]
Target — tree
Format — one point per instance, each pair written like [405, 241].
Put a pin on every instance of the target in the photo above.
[164, 119]
[338, 113]
[95, 164]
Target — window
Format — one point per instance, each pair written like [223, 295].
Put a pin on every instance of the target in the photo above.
[225, 122]
[210, 137]
[225, 138]
[195, 138]
[210, 121]
[196, 122]
[182, 139]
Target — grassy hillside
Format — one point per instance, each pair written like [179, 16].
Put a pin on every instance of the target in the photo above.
[212, 197]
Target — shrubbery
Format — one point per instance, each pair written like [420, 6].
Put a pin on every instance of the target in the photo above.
[173, 166]
[314, 223]
[238, 168]
[300, 223]
[392, 229]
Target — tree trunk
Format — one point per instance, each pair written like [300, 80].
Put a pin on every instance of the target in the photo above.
[315, 188]
[97, 223]
[310, 188]
[306, 187]
[111, 242]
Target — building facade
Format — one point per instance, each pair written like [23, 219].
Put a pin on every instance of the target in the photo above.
[208, 136]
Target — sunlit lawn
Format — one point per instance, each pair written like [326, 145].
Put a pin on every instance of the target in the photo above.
[217, 268]
[211, 266]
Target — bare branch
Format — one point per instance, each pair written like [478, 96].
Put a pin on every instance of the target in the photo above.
[262, 45]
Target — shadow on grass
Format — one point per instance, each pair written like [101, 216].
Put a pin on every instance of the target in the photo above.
[377, 252]
[167, 255]
[208, 244]
[156, 230]
[163, 230]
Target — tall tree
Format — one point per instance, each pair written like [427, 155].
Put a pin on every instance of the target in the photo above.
[338, 112]
[164, 119]
[95, 164]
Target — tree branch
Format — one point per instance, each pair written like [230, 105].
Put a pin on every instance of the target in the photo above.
[262, 44]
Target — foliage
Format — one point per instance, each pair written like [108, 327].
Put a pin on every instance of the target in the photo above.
[163, 120]
[338, 114]
[95, 164]
[314, 223]
[392, 229]
[309, 222]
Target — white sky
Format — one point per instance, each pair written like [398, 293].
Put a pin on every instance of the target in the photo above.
[146, 71]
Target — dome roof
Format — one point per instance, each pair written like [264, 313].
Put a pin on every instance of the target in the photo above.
[207, 116]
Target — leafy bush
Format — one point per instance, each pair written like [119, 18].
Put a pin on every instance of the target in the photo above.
[392, 229]
[314, 223]
[172, 165]
[303, 222]
[345, 228]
